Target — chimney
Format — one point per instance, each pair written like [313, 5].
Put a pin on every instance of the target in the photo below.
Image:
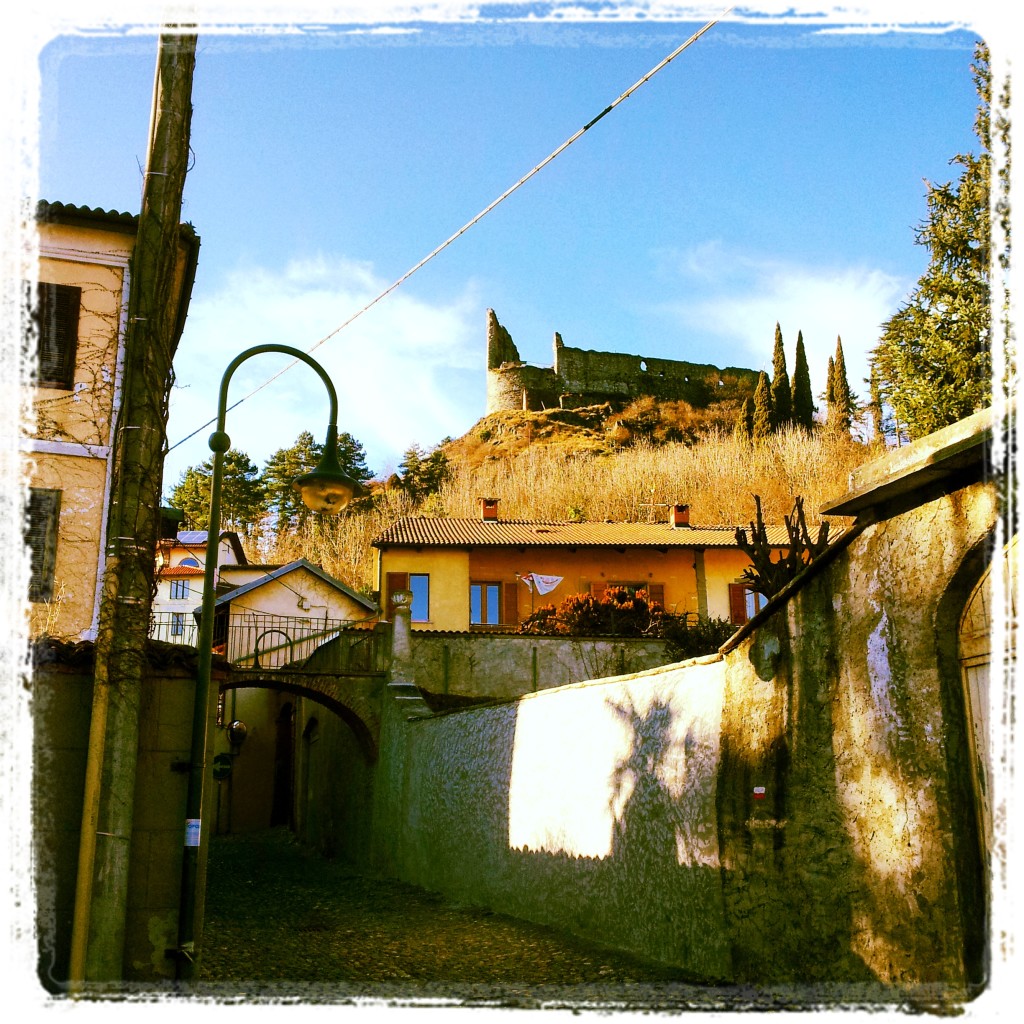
[489, 510]
[679, 516]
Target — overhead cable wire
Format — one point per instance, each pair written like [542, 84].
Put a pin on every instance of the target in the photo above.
[483, 213]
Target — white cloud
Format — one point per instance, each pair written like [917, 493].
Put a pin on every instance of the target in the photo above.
[740, 297]
[405, 371]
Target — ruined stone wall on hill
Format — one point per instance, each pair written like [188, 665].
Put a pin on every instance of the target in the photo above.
[581, 377]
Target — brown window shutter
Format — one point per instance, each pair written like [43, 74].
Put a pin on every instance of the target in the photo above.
[43, 515]
[56, 316]
[597, 589]
[510, 604]
[737, 603]
[395, 581]
[656, 593]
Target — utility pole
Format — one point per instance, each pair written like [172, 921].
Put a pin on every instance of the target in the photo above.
[101, 897]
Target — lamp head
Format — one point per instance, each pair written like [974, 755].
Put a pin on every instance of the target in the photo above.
[328, 488]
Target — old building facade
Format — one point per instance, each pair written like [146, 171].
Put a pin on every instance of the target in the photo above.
[80, 317]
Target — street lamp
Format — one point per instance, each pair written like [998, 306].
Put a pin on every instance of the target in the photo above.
[326, 489]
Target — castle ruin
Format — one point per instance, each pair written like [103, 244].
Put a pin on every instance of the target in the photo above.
[581, 377]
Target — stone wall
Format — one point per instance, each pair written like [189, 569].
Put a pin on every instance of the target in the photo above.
[847, 706]
[501, 666]
[582, 377]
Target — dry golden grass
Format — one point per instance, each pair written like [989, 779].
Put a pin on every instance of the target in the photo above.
[717, 478]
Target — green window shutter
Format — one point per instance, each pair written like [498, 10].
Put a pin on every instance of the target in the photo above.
[41, 527]
[656, 593]
[56, 315]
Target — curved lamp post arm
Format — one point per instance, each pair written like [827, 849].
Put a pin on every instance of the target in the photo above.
[325, 489]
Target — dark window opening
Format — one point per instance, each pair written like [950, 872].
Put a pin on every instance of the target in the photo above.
[42, 520]
[55, 313]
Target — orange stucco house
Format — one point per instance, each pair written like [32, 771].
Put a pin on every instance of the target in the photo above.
[479, 574]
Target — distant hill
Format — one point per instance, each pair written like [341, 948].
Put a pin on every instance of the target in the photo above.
[594, 428]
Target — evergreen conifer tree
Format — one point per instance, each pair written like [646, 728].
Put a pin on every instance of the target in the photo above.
[802, 397]
[763, 422]
[933, 362]
[745, 422]
[782, 399]
[842, 407]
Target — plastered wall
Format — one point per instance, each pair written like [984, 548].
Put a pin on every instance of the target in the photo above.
[798, 811]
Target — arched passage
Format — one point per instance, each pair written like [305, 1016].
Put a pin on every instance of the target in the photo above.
[281, 775]
[969, 618]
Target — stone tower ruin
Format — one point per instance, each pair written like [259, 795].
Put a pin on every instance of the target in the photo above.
[581, 377]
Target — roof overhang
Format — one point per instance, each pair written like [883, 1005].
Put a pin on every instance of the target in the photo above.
[932, 459]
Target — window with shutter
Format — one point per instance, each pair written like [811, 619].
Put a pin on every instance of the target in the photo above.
[395, 581]
[484, 603]
[56, 313]
[744, 603]
[41, 528]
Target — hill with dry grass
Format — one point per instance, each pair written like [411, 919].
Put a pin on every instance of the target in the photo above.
[594, 430]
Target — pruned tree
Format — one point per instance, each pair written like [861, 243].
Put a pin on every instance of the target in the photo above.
[769, 575]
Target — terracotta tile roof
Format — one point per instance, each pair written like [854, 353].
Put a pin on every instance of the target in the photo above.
[180, 570]
[430, 531]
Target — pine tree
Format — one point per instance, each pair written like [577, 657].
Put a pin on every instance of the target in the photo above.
[283, 501]
[243, 502]
[802, 397]
[933, 362]
[421, 472]
[764, 418]
[782, 399]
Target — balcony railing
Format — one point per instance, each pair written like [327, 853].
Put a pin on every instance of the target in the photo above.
[253, 640]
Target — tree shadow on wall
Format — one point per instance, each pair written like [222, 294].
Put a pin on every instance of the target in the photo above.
[664, 847]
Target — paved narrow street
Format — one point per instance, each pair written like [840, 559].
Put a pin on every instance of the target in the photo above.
[283, 923]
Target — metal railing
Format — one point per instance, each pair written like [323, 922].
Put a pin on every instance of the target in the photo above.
[257, 640]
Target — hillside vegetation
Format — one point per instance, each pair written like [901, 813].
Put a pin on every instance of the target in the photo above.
[542, 467]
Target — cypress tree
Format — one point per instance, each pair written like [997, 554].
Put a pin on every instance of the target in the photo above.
[782, 401]
[745, 421]
[762, 425]
[830, 384]
[802, 398]
[842, 406]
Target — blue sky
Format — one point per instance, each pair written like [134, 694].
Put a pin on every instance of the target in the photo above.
[774, 171]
